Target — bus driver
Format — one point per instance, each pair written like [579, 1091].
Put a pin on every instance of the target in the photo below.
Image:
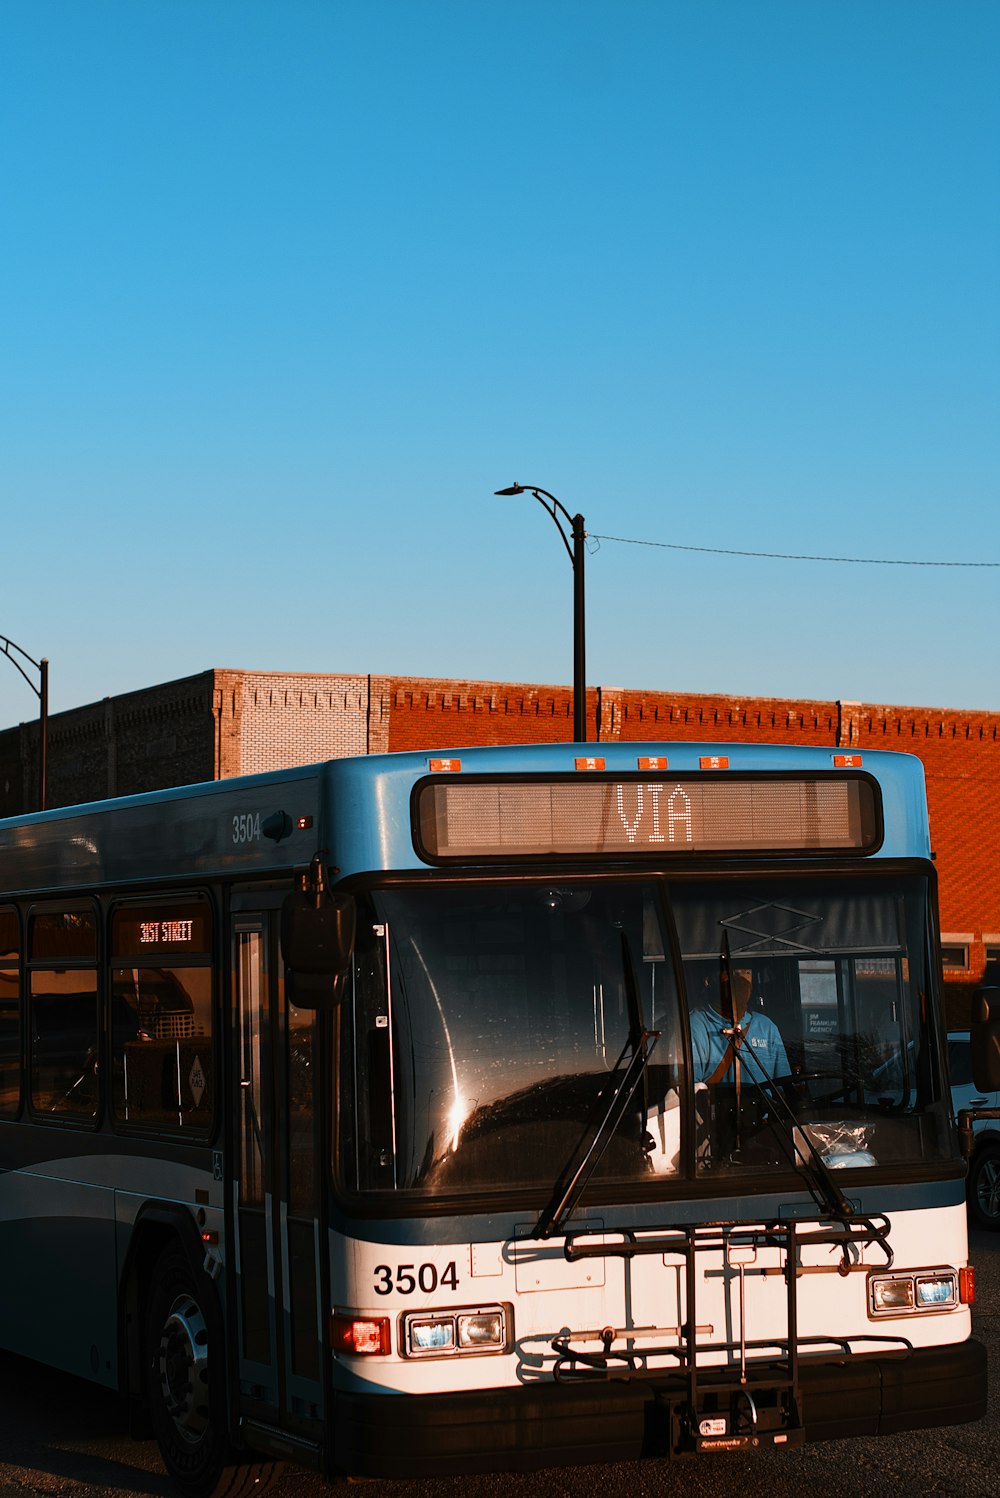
[714, 1046]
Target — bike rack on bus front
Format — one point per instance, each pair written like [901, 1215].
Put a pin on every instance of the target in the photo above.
[750, 1399]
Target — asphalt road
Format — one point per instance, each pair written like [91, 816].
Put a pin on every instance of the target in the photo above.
[59, 1436]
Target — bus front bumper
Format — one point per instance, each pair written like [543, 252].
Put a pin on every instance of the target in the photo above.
[571, 1424]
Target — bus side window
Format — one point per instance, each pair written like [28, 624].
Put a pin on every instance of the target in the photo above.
[10, 1014]
[161, 1046]
[62, 955]
[162, 1034]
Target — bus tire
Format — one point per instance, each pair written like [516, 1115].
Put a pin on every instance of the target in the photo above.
[184, 1360]
[984, 1188]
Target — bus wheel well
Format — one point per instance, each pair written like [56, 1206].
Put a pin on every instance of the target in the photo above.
[154, 1231]
[983, 1185]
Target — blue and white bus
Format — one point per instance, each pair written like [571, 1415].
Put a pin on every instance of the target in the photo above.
[492, 1109]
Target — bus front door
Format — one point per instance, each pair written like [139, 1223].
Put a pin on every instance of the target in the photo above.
[275, 1188]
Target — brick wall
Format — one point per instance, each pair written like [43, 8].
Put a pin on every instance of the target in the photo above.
[160, 736]
[211, 726]
[428, 713]
[222, 723]
[141, 741]
[960, 752]
[295, 719]
[632, 716]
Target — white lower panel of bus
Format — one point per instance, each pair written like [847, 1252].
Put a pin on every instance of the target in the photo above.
[631, 1311]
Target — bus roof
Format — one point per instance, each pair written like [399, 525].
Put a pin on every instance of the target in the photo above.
[359, 811]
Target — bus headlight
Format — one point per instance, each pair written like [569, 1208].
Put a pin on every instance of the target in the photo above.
[937, 1290]
[920, 1290]
[430, 1334]
[483, 1329]
[890, 1296]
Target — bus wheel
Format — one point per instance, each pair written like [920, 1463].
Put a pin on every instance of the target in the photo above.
[185, 1361]
[984, 1188]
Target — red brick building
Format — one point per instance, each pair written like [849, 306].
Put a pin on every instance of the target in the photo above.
[223, 723]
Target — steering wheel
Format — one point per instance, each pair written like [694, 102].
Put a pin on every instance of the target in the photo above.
[847, 1083]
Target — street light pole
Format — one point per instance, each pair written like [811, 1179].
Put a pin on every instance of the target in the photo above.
[41, 691]
[579, 636]
[575, 551]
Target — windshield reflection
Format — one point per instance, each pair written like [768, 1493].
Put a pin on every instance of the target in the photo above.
[489, 1025]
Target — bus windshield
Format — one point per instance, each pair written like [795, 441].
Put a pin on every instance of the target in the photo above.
[488, 1027]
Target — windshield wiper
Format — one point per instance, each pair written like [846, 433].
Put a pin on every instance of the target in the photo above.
[640, 1043]
[794, 1139]
[779, 1114]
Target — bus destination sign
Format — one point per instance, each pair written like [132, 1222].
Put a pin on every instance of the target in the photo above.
[478, 818]
[155, 932]
[161, 928]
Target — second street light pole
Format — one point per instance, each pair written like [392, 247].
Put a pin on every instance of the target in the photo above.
[575, 551]
[42, 693]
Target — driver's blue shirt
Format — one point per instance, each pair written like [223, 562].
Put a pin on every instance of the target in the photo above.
[761, 1037]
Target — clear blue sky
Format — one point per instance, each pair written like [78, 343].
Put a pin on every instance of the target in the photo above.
[289, 287]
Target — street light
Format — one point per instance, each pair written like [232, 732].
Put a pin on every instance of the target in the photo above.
[576, 553]
[42, 693]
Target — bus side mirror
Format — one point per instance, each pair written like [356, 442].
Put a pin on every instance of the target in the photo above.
[317, 943]
[984, 1040]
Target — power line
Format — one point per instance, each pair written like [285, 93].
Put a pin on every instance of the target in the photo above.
[784, 556]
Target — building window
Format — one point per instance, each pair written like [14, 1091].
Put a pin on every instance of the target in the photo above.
[991, 960]
[954, 957]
